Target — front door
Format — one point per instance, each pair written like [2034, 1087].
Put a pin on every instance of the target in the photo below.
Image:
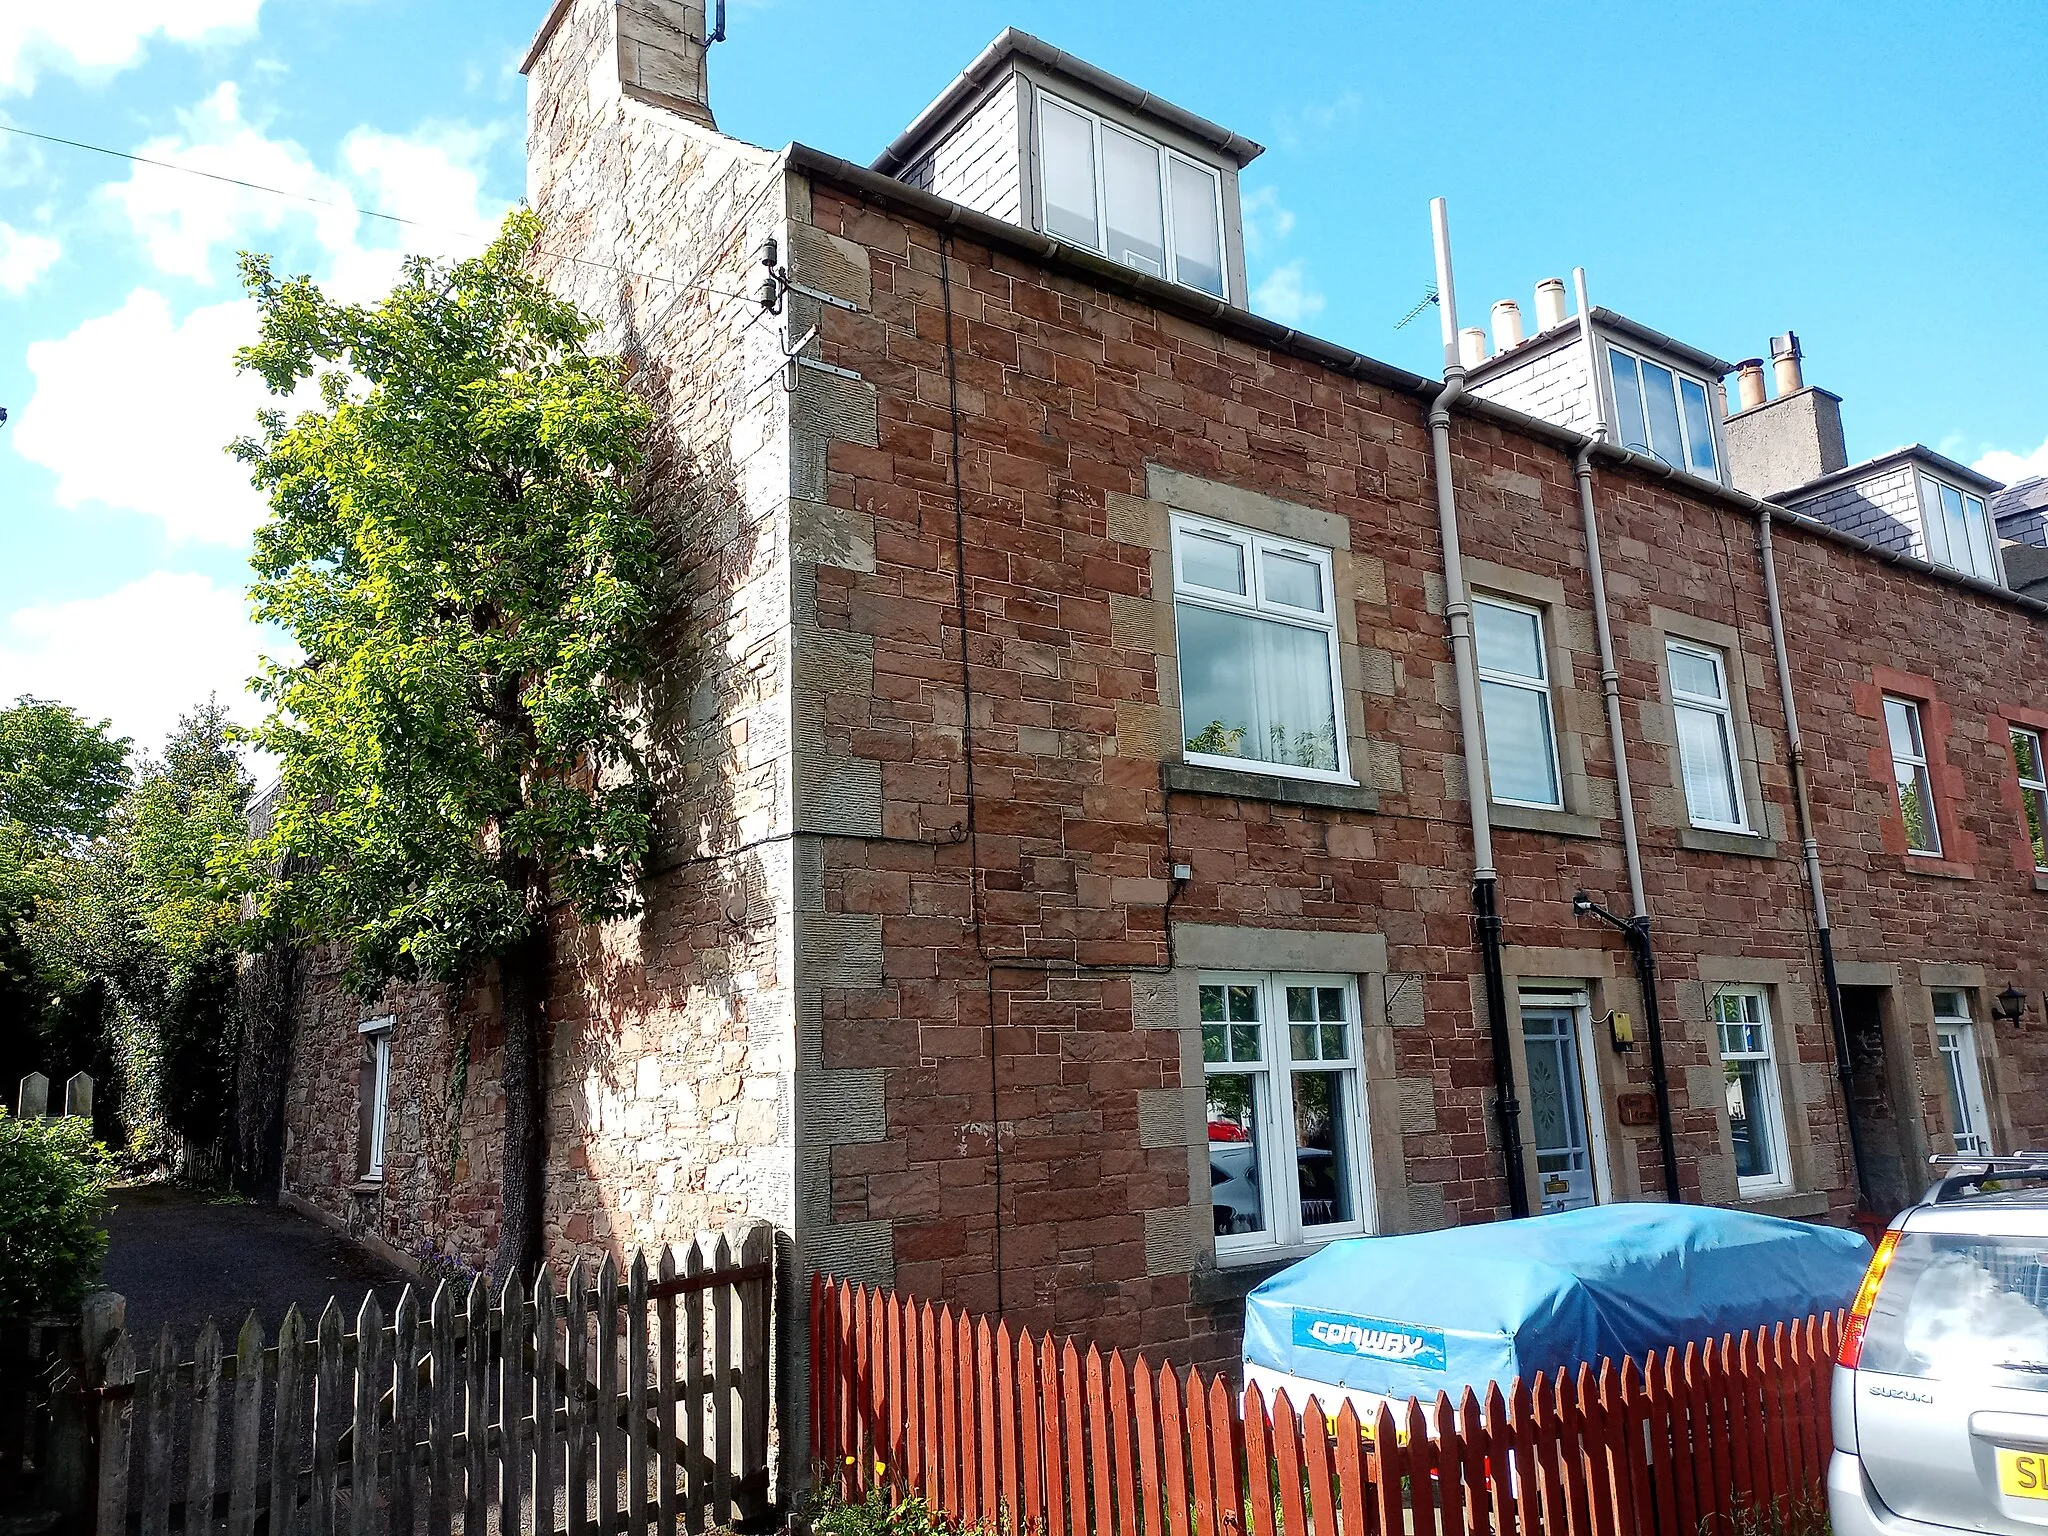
[1955, 1036]
[1557, 1106]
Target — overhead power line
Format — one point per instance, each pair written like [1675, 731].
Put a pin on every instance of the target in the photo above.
[345, 207]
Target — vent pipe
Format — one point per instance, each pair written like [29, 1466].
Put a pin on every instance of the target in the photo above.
[1472, 346]
[1507, 325]
[1550, 306]
[1749, 384]
[1785, 357]
[1486, 923]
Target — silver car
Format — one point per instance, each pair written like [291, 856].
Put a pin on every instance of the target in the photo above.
[1941, 1394]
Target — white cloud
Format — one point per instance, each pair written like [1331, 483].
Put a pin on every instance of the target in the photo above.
[185, 220]
[1267, 223]
[1314, 125]
[24, 258]
[1285, 295]
[96, 40]
[2003, 464]
[138, 656]
[190, 226]
[135, 410]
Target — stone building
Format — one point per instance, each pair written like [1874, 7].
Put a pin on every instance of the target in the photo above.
[1066, 824]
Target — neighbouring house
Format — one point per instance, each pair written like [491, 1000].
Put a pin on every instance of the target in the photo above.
[1065, 895]
[2021, 513]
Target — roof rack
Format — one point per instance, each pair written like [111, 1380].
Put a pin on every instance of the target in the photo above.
[1987, 1170]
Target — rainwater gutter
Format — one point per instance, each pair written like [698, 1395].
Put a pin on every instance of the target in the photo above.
[1795, 753]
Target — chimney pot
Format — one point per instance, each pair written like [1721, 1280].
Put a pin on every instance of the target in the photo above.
[1785, 355]
[1507, 325]
[1472, 346]
[1550, 304]
[1749, 383]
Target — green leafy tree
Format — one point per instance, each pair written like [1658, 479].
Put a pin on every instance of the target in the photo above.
[185, 819]
[145, 915]
[53, 1187]
[183, 829]
[455, 547]
[60, 776]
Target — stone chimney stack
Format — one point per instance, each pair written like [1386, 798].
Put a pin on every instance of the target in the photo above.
[1779, 444]
[658, 47]
[662, 56]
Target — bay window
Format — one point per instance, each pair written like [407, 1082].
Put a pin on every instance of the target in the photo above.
[1281, 1059]
[1663, 412]
[1957, 528]
[1256, 618]
[1114, 191]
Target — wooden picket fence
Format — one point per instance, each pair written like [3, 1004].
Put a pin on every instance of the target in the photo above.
[590, 1408]
[1003, 1432]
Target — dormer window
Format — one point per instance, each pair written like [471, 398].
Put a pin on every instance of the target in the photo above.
[1660, 411]
[1958, 531]
[1110, 190]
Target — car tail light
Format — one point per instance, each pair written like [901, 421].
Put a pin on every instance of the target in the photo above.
[1866, 1298]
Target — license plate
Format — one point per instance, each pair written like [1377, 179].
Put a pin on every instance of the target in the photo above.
[2023, 1474]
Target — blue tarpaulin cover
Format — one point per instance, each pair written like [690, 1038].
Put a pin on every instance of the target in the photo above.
[1412, 1315]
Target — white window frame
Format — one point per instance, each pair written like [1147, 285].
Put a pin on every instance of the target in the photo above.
[1921, 770]
[1281, 1195]
[1723, 710]
[1779, 1180]
[2037, 787]
[376, 1037]
[1539, 685]
[1955, 1043]
[1980, 561]
[1254, 603]
[1096, 122]
[1679, 379]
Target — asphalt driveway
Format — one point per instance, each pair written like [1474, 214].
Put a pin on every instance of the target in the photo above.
[179, 1258]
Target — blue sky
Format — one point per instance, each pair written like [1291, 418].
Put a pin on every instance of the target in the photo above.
[1870, 175]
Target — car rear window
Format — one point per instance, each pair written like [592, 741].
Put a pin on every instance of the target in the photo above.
[1958, 1307]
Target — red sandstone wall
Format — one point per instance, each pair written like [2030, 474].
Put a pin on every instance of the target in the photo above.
[1067, 393]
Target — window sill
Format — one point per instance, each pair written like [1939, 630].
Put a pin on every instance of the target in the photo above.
[2041, 879]
[373, 1185]
[1750, 845]
[1789, 1204]
[1232, 783]
[1231, 1275]
[1524, 818]
[1234, 1275]
[1936, 867]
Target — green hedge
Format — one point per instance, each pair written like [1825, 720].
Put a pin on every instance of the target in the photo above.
[53, 1237]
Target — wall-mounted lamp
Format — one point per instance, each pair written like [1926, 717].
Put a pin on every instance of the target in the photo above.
[1621, 1030]
[2011, 1006]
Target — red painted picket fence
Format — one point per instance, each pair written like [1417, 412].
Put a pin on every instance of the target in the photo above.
[1004, 1432]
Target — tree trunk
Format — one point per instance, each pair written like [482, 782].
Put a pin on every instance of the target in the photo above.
[523, 973]
[271, 985]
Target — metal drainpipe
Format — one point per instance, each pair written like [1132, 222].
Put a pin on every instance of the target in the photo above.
[1638, 930]
[1795, 753]
[1458, 612]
